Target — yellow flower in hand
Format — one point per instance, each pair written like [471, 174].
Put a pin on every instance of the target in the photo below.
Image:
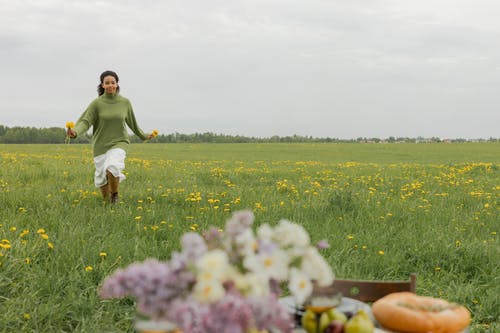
[154, 133]
[70, 124]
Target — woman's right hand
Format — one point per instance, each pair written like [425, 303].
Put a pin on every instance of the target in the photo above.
[71, 133]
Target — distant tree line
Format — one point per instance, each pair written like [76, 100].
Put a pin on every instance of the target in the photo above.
[57, 135]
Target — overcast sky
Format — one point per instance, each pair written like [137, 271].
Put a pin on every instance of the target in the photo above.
[325, 68]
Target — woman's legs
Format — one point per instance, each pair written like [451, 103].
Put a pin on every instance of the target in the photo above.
[108, 173]
[113, 183]
[105, 192]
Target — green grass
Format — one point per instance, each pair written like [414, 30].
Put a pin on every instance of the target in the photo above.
[386, 209]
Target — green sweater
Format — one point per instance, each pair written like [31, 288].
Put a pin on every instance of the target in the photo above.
[108, 115]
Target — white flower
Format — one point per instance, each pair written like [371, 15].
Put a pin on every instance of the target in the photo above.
[316, 267]
[300, 286]
[215, 263]
[271, 264]
[291, 234]
[207, 291]
[247, 244]
[265, 232]
[251, 284]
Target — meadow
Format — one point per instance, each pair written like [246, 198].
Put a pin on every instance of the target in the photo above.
[387, 210]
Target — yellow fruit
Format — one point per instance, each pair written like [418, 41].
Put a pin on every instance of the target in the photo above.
[324, 321]
[359, 323]
[308, 321]
[337, 315]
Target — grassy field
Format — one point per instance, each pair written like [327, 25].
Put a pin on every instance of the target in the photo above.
[386, 209]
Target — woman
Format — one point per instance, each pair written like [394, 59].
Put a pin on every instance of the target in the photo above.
[108, 115]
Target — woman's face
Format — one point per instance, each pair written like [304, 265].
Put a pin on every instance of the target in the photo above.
[109, 84]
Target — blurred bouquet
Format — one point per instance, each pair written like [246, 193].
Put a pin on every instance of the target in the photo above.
[226, 281]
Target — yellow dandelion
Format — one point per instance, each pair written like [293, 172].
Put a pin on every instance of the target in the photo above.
[102, 254]
[437, 269]
[154, 133]
[13, 229]
[24, 233]
[70, 124]
[50, 245]
[26, 316]
[350, 237]
[89, 268]
[27, 261]
[138, 218]
[381, 252]
[40, 231]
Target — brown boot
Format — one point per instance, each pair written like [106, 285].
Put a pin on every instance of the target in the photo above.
[105, 192]
[114, 197]
[113, 186]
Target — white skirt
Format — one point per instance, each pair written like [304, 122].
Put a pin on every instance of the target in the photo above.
[113, 161]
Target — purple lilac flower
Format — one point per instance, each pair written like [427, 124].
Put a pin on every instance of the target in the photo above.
[193, 246]
[152, 283]
[231, 314]
[189, 315]
[213, 238]
[239, 222]
[269, 314]
[178, 261]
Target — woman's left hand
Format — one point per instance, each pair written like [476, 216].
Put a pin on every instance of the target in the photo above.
[71, 133]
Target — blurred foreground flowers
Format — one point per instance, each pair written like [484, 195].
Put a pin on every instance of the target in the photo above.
[226, 281]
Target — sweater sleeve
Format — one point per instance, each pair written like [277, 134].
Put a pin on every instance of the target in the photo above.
[132, 123]
[86, 120]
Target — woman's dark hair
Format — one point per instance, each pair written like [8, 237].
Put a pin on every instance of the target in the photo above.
[100, 89]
